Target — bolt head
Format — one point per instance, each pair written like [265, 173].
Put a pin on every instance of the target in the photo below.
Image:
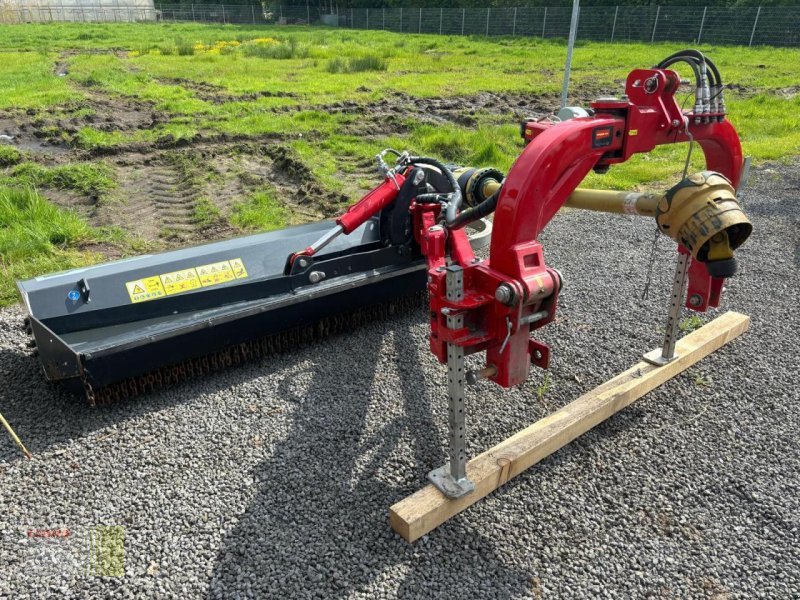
[504, 294]
[695, 300]
[303, 262]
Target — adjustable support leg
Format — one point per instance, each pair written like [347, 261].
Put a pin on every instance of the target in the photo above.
[666, 354]
[451, 479]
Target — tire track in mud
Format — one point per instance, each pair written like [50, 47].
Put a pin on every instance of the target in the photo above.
[155, 201]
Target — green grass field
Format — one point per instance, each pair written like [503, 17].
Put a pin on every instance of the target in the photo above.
[96, 104]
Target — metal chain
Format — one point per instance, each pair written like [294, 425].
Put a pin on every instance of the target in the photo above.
[650, 264]
[654, 247]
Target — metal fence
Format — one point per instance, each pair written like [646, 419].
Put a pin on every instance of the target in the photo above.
[45, 11]
[774, 26]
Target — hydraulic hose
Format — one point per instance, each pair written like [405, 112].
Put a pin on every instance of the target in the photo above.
[691, 54]
[702, 101]
[453, 198]
[479, 211]
[708, 79]
[702, 58]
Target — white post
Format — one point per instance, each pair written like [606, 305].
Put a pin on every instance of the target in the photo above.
[487, 21]
[573, 30]
[441, 14]
[702, 22]
[655, 24]
[419, 28]
[514, 26]
[463, 16]
[223, 13]
[754, 26]
[614, 27]
[544, 21]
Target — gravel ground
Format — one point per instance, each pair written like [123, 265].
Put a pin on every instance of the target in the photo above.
[274, 480]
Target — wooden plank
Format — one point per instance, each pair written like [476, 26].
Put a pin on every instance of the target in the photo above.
[428, 508]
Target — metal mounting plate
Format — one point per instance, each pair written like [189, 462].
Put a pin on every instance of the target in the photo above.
[656, 357]
[450, 487]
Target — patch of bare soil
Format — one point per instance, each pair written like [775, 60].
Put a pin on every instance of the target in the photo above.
[154, 201]
[159, 190]
[392, 113]
[17, 130]
[163, 185]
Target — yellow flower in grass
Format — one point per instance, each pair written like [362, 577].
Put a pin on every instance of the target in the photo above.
[134, 54]
[266, 40]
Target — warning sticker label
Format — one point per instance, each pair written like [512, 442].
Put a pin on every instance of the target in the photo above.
[145, 289]
[185, 280]
[238, 268]
[215, 273]
[180, 281]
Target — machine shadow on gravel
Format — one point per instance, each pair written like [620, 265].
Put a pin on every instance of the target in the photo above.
[318, 524]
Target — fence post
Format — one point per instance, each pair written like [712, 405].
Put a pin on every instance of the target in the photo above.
[352, 22]
[514, 26]
[419, 29]
[487, 21]
[252, 12]
[702, 22]
[758, 13]
[383, 19]
[655, 24]
[463, 16]
[614, 27]
[573, 30]
[544, 21]
[441, 14]
[367, 27]
[308, 13]
[401, 19]
[223, 14]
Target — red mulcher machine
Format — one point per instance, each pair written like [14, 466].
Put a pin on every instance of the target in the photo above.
[128, 327]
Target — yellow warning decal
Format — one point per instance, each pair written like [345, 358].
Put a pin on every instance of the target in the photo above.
[633, 132]
[238, 268]
[145, 289]
[215, 273]
[180, 281]
[185, 280]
